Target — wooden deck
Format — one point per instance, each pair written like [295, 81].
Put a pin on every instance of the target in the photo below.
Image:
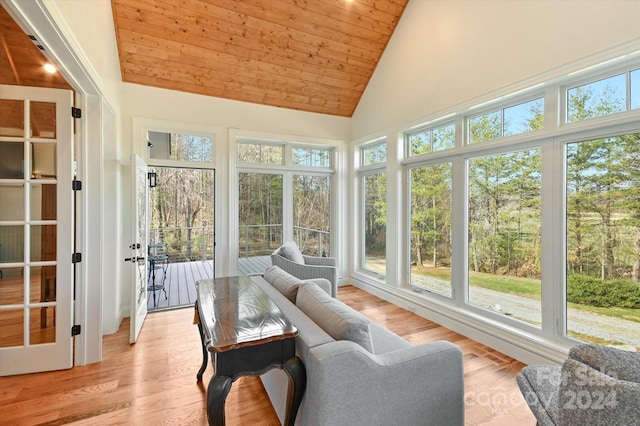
[253, 265]
[181, 279]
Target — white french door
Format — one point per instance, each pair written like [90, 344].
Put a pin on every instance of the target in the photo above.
[36, 229]
[138, 259]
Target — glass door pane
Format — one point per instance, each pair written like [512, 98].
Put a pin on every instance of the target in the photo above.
[28, 223]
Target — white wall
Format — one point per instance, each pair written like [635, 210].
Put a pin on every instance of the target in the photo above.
[88, 27]
[143, 101]
[445, 53]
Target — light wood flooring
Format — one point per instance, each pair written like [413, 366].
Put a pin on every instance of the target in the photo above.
[153, 382]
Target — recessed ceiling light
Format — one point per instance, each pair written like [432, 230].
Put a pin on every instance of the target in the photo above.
[49, 68]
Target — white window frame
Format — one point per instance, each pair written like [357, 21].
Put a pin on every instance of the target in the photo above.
[551, 140]
[363, 171]
[287, 169]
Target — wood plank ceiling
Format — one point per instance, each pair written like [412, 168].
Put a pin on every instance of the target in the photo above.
[309, 55]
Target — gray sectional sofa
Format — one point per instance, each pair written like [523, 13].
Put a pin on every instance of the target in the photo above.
[358, 372]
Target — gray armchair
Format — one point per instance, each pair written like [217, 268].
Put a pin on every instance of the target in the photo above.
[289, 258]
[596, 385]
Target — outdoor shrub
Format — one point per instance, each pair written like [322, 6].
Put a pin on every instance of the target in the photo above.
[592, 291]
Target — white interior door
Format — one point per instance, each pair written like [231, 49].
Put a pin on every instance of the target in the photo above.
[138, 247]
[36, 229]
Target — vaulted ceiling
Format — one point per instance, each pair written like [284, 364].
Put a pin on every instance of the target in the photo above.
[309, 55]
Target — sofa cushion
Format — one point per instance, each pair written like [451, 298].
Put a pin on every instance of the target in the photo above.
[289, 250]
[339, 320]
[284, 282]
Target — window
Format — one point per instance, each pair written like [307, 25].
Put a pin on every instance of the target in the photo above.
[482, 221]
[504, 222]
[431, 228]
[260, 213]
[256, 152]
[312, 157]
[290, 198]
[431, 140]
[374, 154]
[603, 97]
[375, 222]
[635, 89]
[180, 147]
[373, 213]
[311, 214]
[603, 240]
[514, 120]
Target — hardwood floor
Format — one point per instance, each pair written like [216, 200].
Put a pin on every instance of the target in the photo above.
[153, 382]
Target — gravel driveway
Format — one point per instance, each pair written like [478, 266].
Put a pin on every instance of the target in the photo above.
[608, 328]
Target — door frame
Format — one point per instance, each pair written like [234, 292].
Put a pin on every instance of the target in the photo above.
[62, 48]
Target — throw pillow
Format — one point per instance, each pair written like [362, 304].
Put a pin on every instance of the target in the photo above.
[285, 283]
[289, 250]
[339, 320]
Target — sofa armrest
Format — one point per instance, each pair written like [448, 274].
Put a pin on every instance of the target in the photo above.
[416, 385]
[319, 261]
[383, 340]
[323, 283]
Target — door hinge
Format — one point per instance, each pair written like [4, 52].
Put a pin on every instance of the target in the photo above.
[76, 112]
[75, 330]
[76, 185]
[76, 258]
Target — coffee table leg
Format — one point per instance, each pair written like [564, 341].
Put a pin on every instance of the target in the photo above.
[217, 392]
[297, 384]
[205, 358]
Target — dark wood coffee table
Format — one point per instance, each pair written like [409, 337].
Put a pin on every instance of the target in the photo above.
[246, 334]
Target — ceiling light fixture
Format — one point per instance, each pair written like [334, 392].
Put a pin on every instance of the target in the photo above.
[49, 68]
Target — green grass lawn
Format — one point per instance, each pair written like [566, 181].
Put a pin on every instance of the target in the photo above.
[524, 287]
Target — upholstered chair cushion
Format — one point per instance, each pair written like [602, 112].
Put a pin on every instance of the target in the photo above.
[289, 250]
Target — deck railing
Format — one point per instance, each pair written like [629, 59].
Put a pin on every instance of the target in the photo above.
[262, 240]
[185, 244]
